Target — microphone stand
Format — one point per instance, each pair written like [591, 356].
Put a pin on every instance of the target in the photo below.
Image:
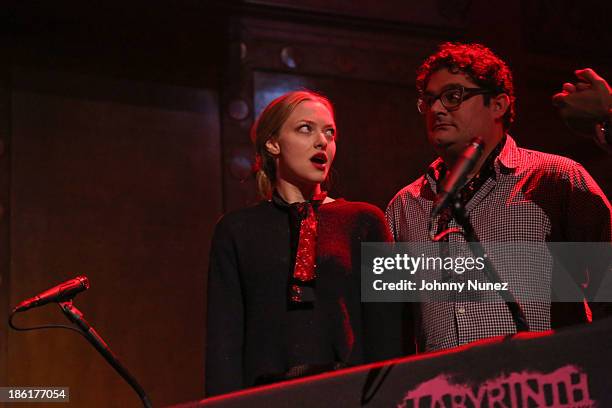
[76, 317]
[518, 316]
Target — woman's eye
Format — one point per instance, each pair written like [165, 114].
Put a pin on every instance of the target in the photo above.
[304, 129]
[330, 133]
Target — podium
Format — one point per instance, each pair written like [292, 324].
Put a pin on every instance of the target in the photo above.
[568, 368]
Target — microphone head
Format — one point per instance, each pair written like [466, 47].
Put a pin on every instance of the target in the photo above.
[63, 291]
[457, 175]
[72, 287]
[477, 143]
[84, 281]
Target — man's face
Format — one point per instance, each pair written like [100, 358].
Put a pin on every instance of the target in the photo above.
[450, 130]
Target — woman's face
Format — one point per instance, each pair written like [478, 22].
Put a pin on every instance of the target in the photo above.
[306, 145]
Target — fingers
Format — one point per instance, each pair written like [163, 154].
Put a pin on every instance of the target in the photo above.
[591, 93]
[591, 77]
[569, 88]
[588, 75]
[558, 99]
[581, 86]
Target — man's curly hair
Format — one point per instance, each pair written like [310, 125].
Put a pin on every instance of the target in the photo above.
[484, 68]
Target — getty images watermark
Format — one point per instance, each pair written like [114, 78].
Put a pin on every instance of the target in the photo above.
[532, 272]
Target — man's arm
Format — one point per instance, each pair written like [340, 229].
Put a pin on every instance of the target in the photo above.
[589, 220]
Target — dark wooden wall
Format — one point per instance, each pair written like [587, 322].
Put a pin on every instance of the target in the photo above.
[115, 173]
[123, 186]
[124, 136]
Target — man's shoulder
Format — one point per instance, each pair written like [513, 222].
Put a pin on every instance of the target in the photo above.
[412, 191]
[548, 165]
[539, 169]
[527, 161]
[539, 159]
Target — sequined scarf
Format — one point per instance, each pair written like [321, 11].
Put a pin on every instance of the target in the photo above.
[303, 223]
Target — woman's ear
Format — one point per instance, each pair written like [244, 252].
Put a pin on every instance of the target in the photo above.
[273, 147]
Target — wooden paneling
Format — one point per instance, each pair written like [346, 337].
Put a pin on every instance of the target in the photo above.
[380, 146]
[579, 31]
[368, 75]
[119, 181]
[114, 170]
[446, 13]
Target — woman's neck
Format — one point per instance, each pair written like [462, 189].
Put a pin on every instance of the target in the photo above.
[296, 194]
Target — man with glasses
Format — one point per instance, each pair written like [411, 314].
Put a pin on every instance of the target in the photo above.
[512, 194]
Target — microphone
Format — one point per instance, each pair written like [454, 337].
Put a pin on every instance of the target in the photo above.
[59, 293]
[457, 176]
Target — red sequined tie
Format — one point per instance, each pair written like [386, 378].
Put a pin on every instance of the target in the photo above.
[304, 269]
[301, 290]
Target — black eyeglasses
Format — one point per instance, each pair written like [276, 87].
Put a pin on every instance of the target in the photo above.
[451, 98]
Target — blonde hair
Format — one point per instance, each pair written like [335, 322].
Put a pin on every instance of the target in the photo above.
[267, 126]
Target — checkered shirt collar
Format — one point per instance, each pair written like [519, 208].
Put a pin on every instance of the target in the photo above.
[508, 159]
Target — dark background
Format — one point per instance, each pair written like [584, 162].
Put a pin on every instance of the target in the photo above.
[124, 136]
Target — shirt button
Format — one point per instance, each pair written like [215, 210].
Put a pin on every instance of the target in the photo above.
[461, 310]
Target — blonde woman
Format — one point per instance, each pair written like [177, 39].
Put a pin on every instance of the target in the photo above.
[284, 279]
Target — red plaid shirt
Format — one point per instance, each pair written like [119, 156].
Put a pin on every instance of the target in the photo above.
[531, 197]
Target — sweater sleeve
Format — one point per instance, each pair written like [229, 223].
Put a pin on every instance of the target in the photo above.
[382, 321]
[225, 315]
